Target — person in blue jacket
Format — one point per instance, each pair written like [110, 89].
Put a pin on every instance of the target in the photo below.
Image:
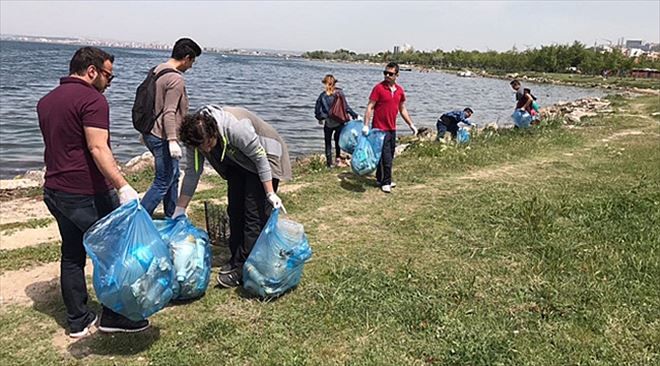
[450, 120]
[331, 126]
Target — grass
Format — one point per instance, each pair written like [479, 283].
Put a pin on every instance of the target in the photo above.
[536, 247]
[592, 80]
[29, 256]
[6, 228]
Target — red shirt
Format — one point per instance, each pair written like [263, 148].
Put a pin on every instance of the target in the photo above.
[62, 115]
[387, 105]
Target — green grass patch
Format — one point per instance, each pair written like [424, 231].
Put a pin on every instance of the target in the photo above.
[30, 224]
[29, 256]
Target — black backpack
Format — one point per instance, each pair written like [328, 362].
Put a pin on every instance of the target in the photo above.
[144, 115]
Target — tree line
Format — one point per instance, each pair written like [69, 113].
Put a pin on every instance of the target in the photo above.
[553, 58]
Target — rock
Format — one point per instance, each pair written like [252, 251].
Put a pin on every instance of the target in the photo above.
[425, 133]
[37, 176]
[400, 149]
[140, 163]
[18, 183]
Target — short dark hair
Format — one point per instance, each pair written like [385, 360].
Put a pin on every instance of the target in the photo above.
[197, 128]
[185, 47]
[86, 56]
[393, 65]
[468, 109]
[514, 82]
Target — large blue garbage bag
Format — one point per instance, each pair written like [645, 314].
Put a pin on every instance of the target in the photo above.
[133, 272]
[521, 119]
[276, 261]
[349, 135]
[376, 138]
[363, 160]
[191, 255]
[463, 136]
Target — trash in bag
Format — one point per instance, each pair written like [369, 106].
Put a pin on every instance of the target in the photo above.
[191, 255]
[276, 261]
[376, 138]
[348, 137]
[536, 107]
[521, 119]
[463, 136]
[363, 160]
[133, 272]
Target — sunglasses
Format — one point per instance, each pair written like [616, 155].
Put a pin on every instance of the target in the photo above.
[387, 73]
[108, 75]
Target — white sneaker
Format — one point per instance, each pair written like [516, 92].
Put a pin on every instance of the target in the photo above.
[392, 185]
[85, 330]
[386, 188]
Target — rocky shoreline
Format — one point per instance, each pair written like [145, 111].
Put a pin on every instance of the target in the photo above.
[571, 112]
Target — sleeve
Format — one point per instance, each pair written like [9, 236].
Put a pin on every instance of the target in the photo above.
[96, 113]
[193, 171]
[374, 94]
[465, 120]
[319, 113]
[174, 90]
[403, 95]
[244, 138]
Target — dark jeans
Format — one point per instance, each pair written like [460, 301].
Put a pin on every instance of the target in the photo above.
[445, 125]
[328, 135]
[248, 212]
[384, 170]
[75, 213]
[165, 187]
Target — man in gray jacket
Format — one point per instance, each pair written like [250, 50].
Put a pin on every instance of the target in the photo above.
[252, 157]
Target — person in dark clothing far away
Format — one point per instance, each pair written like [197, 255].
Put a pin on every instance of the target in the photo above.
[81, 178]
[331, 127]
[253, 158]
[449, 122]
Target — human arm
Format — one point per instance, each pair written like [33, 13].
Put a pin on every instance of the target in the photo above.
[406, 117]
[174, 91]
[320, 112]
[192, 173]
[368, 113]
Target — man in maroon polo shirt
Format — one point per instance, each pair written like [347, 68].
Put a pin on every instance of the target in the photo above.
[81, 178]
[386, 101]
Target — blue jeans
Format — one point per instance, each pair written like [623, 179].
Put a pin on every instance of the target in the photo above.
[165, 187]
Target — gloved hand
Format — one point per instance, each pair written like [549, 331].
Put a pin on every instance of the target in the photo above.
[179, 211]
[321, 122]
[127, 194]
[413, 129]
[365, 130]
[175, 150]
[275, 201]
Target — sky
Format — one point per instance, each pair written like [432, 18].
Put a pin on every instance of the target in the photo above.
[360, 26]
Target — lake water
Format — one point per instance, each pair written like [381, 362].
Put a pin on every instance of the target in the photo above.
[282, 92]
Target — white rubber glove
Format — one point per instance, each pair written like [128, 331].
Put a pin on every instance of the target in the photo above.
[127, 194]
[175, 150]
[365, 130]
[413, 129]
[275, 201]
[179, 211]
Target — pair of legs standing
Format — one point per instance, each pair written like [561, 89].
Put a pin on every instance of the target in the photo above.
[248, 212]
[384, 170]
[75, 213]
[165, 186]
[330, 134]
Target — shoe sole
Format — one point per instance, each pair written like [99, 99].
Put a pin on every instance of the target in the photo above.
[227, 272]
[85, 331]
[122, 330]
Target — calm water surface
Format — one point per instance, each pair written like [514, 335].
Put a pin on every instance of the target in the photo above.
[283, 92]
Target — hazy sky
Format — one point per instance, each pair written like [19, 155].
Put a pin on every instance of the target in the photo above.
[362, 26]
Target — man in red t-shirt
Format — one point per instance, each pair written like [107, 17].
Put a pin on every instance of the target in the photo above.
[387, 99]
[81, 178]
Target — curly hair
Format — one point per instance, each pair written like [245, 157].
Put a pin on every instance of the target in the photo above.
[197, 128]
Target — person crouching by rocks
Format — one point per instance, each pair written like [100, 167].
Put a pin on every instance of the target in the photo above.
[253, 158]
[332, 125]
[449, 122]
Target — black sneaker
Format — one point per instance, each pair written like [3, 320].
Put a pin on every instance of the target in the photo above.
[112, 322]
[82, 331]
[227, 268]
[229, 280]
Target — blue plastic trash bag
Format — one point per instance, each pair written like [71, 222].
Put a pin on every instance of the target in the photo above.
[363, 160]
[376, 138]
[521, 119]
[191, 255]
[276, 261]
[463, 136]
[536, 107]
[349, 135]
[133, 272]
